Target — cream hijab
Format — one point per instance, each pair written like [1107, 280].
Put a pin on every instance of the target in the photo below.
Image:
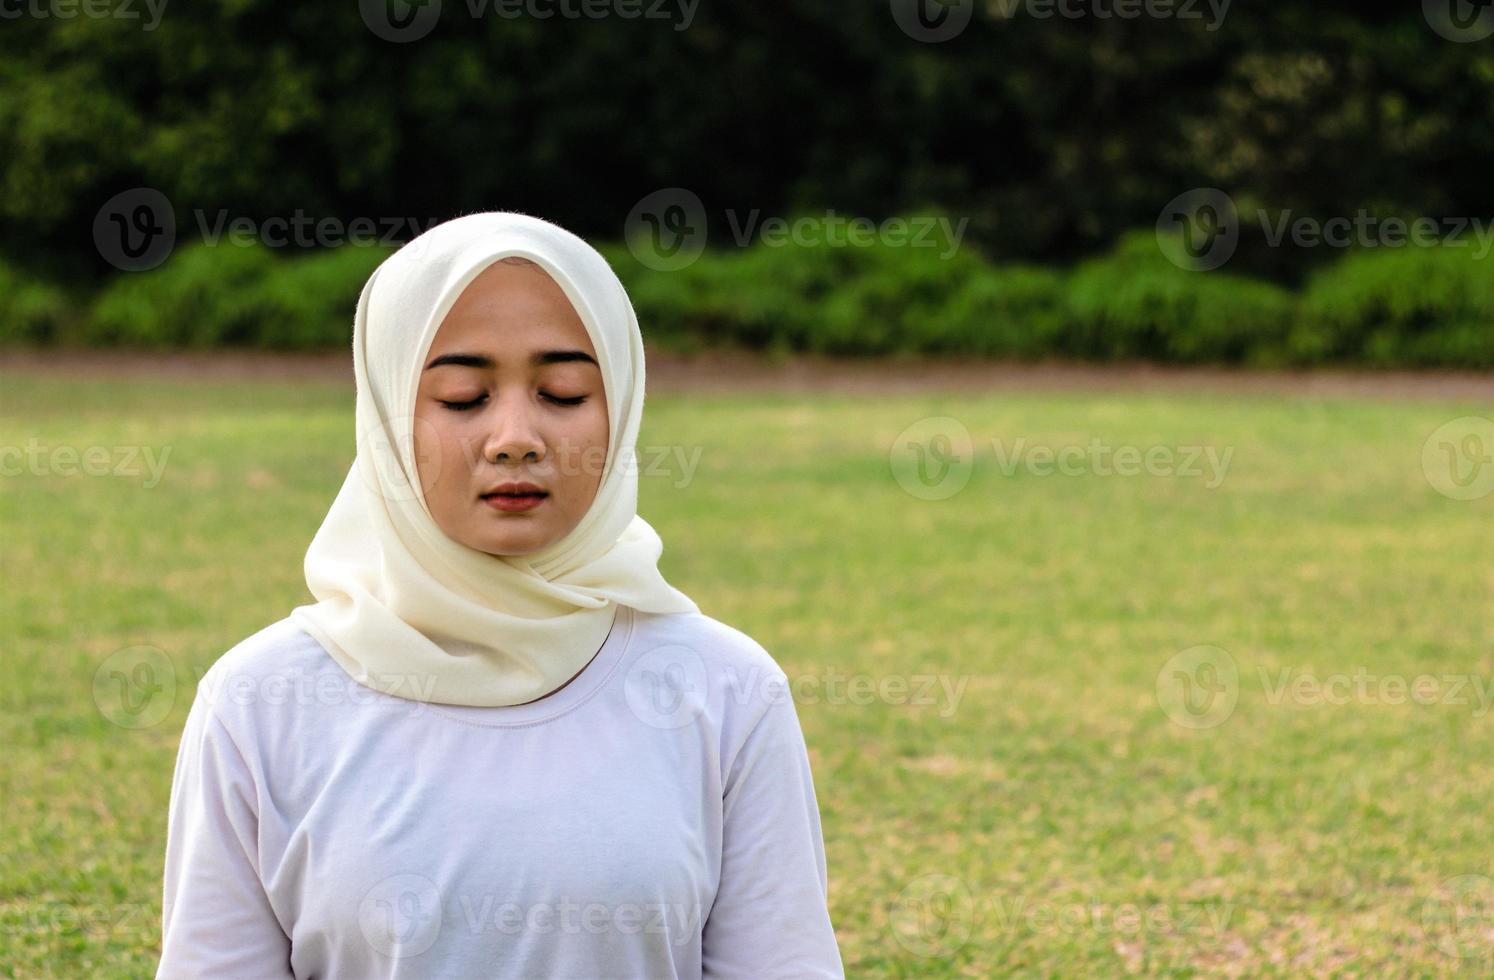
[407, 610]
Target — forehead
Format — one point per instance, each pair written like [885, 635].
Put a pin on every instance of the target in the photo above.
[513, 304]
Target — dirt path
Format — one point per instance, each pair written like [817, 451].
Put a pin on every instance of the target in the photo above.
[808, 374]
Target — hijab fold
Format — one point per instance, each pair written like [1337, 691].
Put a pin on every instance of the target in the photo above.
[407, 610]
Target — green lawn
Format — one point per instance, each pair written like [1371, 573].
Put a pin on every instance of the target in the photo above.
[1033, 810]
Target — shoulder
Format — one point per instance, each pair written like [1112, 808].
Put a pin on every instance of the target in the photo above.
[277, 669]
[723, 648]
[738, 677]
[278, 650]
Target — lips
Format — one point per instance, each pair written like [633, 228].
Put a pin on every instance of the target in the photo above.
[519, 489]
[514, 503]
[515, 497]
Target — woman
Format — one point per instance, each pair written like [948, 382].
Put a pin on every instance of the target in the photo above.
[499, 744]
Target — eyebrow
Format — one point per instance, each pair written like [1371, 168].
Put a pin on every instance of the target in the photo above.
[539, 359]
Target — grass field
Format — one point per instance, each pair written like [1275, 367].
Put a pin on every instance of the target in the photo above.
[1030, 776]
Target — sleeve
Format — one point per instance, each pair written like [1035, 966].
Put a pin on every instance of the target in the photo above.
[216, 920]
[770, 917]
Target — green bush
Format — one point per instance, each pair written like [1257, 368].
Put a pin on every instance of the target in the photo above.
[1009, 311]
[202, 296]
[30, 312]
[236, 295]
[309, 302]
[761, 296]
[1406, 306]
[1136, 303]
[925, 304]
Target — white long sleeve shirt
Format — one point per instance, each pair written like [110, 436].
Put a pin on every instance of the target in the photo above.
[656, 817]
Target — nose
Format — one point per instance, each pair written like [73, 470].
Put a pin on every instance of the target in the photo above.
[514, 435]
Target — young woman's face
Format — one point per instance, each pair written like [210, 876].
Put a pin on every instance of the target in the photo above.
[510, 393]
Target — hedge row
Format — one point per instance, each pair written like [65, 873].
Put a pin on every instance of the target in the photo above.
[1389, 307]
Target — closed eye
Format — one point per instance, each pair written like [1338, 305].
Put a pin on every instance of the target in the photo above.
[469, 405]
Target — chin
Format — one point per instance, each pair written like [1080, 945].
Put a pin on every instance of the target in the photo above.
[508, 547]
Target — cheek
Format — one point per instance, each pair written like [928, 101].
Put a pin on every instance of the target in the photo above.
[577, 452]
[438, 455]
[589, 434]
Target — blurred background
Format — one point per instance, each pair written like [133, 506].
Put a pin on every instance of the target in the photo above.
[1291, 147]
[1119, 374]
